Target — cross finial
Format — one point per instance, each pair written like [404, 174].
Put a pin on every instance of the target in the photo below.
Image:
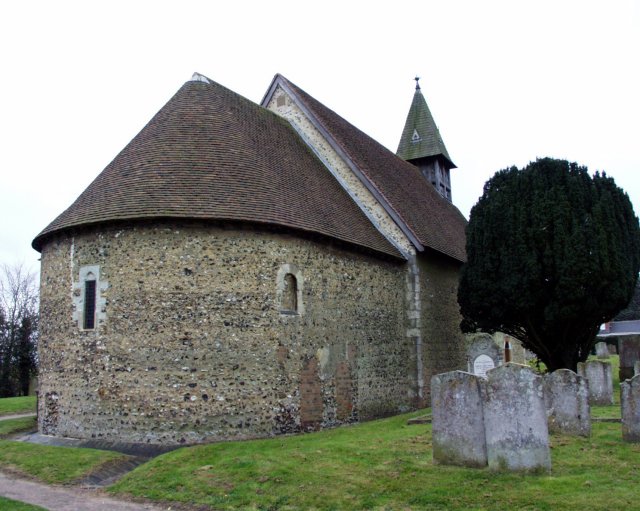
[417, 79]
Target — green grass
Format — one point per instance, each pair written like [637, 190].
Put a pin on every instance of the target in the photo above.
[53, 464]
[14, 405]
[14, 505]
[11, 426]
[385, 464]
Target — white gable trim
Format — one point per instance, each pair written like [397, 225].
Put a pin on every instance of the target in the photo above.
[351, 193]
[406, 230]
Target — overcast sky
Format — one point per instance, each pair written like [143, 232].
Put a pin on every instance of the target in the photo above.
[507, 82]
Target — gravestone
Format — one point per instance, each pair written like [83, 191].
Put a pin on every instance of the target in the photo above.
[457, 419]
[515, 420]
[629, 346]
[602, 351]
[566, 397]
[483, 354]
[636, 368]
[630, 407]
[482, 364]
[600, 378]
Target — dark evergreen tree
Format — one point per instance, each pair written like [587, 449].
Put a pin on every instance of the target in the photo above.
[552, 254]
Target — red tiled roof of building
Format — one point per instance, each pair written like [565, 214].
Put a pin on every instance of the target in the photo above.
[434, 221]
[210, 154]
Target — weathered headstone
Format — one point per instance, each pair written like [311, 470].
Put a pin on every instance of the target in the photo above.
[483, 354]
[630, 407]
[600, 378]
[515, 420]
[629, 346]
[602, 351]
[457, 419]
[636, 368]
[566, 397]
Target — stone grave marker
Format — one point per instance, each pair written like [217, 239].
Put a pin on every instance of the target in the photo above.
[600, 378]
[483, 354]
[566, 397]
[602, 351]
[515, 420]
[630, 408]
[457, 420]
[629, 354]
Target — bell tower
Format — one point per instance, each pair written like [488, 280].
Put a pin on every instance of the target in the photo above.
[422, 145]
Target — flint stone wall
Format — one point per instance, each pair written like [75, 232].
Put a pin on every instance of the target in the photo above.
[443, 343]
[458, 424]
[630, 407]
[600, 378]
[515, 420]
[566, 397]
[193, 347]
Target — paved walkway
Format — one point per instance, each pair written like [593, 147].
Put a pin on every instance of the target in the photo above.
[59, 498]
[17, 416]
[77, 498]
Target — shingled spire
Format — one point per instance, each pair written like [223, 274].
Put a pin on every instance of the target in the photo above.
[422, 145]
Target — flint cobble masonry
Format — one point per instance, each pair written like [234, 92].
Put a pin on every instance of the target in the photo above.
[193, 344]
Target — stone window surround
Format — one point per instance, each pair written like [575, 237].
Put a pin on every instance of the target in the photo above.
[89, 272]
[284, 270]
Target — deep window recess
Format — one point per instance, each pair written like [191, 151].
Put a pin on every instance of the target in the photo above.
[89, 321]
[290, 294]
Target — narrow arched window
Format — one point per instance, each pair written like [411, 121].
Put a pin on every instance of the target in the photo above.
[89, 313]
[290, 294]
[289, 291]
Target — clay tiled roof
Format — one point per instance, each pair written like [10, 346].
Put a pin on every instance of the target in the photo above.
[212, 154]
[434, 221]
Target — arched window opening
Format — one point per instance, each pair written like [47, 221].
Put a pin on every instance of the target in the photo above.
[290, 294]
[89, 316]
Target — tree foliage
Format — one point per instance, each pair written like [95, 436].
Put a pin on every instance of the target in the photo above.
[552, 253]
[18, 330]
[632, 310]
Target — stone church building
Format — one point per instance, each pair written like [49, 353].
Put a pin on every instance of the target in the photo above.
[244, 270]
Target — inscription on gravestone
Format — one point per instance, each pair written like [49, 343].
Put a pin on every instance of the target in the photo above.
[482, 364]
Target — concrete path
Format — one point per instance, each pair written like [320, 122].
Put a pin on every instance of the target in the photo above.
[17, 416]
[59, 498]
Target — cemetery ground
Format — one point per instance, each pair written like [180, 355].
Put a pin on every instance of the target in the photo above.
[382, 464]
[17, 405]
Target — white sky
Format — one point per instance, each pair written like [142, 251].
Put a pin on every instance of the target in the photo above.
[506, 82]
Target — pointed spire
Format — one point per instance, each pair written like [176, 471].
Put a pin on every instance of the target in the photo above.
[421, 137]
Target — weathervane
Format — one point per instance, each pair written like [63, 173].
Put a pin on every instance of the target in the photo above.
[417, 78]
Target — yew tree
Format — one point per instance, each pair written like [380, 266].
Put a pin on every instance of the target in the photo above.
[552, 253]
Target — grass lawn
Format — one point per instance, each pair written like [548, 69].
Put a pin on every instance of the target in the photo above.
[13, 405]
[386, 464]
[13, 505]
[53, 464]
[11, 426]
